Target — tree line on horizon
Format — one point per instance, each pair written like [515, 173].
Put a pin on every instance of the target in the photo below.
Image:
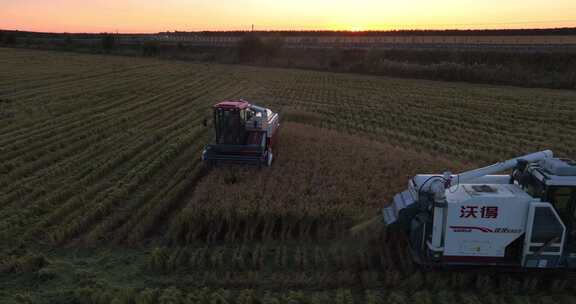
[284, 33]
[549, 67]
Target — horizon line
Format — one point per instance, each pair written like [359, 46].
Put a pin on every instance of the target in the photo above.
[302, 30]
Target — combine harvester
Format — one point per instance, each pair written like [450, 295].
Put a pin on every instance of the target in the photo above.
[523, 220]
[245, 133]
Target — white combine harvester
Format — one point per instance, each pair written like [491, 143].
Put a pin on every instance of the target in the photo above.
[525, 219]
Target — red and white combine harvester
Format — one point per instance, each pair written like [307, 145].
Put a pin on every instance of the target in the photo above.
[245, 133]
[525, 219]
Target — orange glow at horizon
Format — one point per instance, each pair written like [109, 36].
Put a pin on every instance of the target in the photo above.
[148, 16]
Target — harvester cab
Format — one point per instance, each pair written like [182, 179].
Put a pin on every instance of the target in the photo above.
[245, 133]
[552, 180]
[525, 219]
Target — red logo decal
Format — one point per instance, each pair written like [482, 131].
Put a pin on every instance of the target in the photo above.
[474, 212]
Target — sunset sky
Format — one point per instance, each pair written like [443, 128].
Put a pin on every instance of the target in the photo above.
[169, 15]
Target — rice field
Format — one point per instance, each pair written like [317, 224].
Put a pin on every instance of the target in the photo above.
[103, 198]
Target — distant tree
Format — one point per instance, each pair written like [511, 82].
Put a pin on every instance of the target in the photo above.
[9, 38]
[29, 41]
[250, 48]
[108, 42]
[150, 48]
[272, 46]
[69, 43]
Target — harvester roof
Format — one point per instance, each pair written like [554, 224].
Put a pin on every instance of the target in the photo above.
[485, 192]
[232, 104]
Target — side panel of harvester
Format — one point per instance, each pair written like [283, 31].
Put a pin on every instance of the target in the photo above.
[267, 122]
[482, 224]
[272, 132]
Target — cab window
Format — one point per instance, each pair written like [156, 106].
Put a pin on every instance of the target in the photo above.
[563, 199]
